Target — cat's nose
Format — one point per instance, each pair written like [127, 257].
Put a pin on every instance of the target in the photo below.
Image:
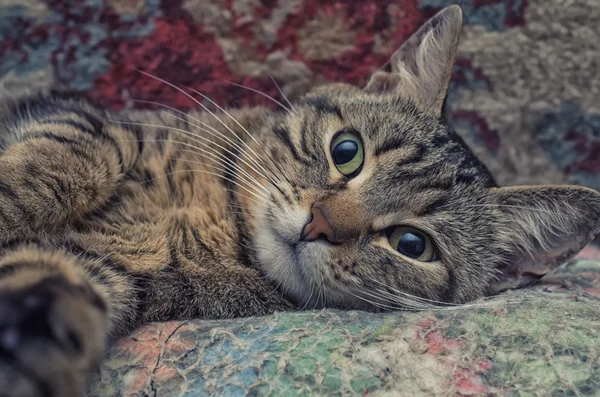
[318, 227]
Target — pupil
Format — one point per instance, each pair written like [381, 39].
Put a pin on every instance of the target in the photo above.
[344, 152]
[411, 245]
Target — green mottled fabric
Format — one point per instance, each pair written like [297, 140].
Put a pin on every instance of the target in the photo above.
[538, 341]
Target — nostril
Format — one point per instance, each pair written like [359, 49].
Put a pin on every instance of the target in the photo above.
[324, 237]
[312, 218]
[306, 230]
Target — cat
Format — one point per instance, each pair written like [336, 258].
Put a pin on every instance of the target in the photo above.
[353, 198]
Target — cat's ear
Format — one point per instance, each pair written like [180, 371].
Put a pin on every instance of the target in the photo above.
[540, 228]
[421, 68]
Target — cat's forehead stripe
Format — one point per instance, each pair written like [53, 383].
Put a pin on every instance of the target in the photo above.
[322, 105]
[389, 145]
[284, 137]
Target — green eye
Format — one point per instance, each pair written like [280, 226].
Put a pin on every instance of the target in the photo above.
[347, 152]
[412, 243]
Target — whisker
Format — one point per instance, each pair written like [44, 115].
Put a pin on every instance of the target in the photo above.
[276, 288]
[409, 304]
[268, 178]
[307, 298]
[396, 291]
[244, 129]
[217, 133]
[483, 305]
[247, 177]
[235, 166]
[208, 110]
[391, 308]
[324, 290]
[215, 174]
[321, 290]
[444, 306]
[312, 290]
[378, 304]
[259, 92]
[185, 144]
[241, 126]
[184, 132]
[216, 167]
[282, 94]
[241, 151]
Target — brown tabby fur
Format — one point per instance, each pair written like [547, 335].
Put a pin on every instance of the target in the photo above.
[109, 221]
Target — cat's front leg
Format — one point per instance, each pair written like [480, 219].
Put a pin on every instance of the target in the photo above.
[59, 159]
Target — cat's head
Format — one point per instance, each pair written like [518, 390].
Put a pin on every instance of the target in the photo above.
[379, 200]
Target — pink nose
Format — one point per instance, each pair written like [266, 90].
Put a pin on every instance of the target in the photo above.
[318, 227]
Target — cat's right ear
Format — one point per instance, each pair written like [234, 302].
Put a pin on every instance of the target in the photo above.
[421, 68]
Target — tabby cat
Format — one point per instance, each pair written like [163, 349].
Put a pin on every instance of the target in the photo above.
[349, 197]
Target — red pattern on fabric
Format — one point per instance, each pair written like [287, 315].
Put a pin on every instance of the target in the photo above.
[178, 44]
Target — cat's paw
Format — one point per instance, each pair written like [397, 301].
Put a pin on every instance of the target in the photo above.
[52, 335]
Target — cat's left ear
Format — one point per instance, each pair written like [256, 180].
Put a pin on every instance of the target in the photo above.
[421, 68]
[540, 228]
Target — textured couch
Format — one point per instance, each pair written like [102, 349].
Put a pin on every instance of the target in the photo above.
[539, 341]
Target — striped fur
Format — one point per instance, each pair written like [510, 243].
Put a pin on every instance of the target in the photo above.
[111, 220]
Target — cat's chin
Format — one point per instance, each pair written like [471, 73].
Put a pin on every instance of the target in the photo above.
[282, 260]
[295, 267]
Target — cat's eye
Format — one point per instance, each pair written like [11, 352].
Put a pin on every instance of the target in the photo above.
[412, 243]
[347, 152]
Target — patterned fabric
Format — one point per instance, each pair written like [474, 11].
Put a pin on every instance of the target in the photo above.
[535, 342]
[524, 95]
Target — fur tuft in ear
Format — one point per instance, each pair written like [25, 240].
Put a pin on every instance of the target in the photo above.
[421, 68]
[541, 227]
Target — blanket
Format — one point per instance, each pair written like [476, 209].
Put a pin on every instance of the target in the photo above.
[537, 341]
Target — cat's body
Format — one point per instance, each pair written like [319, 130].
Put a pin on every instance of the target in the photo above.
[351, 198]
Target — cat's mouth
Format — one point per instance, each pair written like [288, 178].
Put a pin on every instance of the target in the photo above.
[298, 247]
[286, 257]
